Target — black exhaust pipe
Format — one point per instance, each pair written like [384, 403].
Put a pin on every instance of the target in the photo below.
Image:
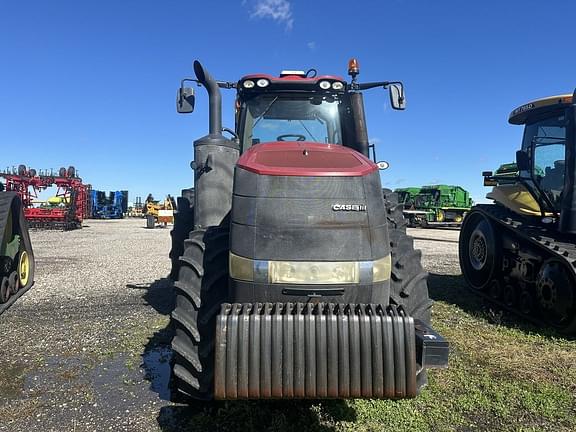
[360, 130]
[215, 157]
[568, 209]
[214, 97]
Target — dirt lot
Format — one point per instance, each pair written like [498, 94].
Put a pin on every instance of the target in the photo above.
[87, 350]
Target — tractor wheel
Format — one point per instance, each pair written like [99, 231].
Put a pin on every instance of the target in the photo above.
[201, 288]
[408, 282]
[13, 282]
[478, 250]
[4, 290]
[183, 225]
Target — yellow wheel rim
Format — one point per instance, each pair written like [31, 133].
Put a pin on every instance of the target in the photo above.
[24, 268]
[440, 216]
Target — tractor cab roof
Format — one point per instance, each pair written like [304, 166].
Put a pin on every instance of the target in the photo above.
[291, 81]
[539, 106]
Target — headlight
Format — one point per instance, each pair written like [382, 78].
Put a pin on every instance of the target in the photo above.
[241, 268]
[381, 269]
[337, 85]
[262, 82]
[248, 84]
[324, 85]
[310, 273]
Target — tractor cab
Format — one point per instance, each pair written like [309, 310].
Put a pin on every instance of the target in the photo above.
[518, 251]
[545, 164]
[291, 247]
[290, 108]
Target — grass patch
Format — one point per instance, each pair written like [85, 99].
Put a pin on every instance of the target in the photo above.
[501, 377]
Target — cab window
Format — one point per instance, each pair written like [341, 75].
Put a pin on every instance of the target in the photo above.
[270, 118]
[547, 140]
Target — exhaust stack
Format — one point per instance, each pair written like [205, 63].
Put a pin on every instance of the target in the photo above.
[214, 160]
[214, 98]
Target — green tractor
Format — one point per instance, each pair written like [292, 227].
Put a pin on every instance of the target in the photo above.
[435, 205]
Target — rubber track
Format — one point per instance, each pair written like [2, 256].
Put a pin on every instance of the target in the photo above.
[550, 242]
[6, 201]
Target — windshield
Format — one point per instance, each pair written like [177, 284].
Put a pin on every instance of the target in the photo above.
[269, 118]
[547, 140]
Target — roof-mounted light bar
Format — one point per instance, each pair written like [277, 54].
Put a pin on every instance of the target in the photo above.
[286, 73]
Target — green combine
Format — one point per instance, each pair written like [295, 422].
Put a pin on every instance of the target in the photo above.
[434, 205]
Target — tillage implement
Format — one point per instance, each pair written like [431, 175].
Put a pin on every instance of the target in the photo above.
[520, 252]
[297, 278]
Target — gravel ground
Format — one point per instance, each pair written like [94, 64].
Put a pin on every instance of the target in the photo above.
[86, 349]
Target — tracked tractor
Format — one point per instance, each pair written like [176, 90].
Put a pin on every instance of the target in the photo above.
[298, 279]
[16, 256]
[520, 252]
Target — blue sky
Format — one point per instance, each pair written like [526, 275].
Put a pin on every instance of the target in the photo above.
[93, 83]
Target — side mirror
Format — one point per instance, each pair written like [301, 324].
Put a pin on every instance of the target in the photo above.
[185, 100]
[397, 98]
[522, 161]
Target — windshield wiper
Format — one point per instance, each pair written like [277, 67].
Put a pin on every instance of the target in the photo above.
[261, 116]
[309, 133]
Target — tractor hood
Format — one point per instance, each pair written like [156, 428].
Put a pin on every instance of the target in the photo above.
[305, 159]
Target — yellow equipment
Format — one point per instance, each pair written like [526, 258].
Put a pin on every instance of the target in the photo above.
[159, 213]
[520, 252]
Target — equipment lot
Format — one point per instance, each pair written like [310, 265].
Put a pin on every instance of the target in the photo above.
[87, 350]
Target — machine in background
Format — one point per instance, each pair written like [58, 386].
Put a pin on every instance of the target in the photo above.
[113, 205]
[66, 210]
[157, 212]
[520, 252]
[435, 205]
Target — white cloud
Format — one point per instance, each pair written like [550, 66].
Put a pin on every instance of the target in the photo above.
[311, 45]
[276, 10]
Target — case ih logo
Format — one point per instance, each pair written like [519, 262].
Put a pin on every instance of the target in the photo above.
[349, 207]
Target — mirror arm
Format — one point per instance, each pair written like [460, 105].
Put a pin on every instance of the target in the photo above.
[226, 84]
[373, 148]
[231, 132]
[370, 85]
[221, 84]
[188, 80]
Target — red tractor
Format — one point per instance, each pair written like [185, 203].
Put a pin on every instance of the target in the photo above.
[297, 278]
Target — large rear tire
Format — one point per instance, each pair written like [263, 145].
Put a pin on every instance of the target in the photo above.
[201, 288]
[408, 279]
[408, 282]
[183, 226]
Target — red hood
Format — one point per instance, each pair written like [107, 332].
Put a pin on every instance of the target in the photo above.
[305, 159]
